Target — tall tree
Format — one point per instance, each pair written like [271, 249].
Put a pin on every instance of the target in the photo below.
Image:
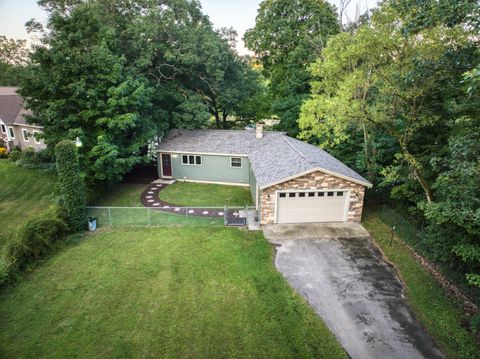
[119, 74]
[398, 83]
[287, 37]
[13, 58]
[79, 85]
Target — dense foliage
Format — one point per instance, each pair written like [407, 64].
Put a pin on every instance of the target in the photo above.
[118, 75]
[32, 241]
[288, 35]
[71, 185]
[397, 98]
[13, 57]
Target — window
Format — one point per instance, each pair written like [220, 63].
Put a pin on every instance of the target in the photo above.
[321, 194]
[4, 129]
[236, 162]
[191, 160]
[291, 195]
[25, 135]
[10, 131]
[311, 194]
[301, 194]
[339, 194]
[283, 195]
[330, 194]
[35, 137]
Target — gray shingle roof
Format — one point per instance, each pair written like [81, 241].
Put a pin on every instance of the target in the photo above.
[11, 106]
[274, 158]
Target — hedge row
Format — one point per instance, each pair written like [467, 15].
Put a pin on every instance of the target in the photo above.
[71, 185]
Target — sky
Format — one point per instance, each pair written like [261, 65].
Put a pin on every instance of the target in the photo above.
[239, 14]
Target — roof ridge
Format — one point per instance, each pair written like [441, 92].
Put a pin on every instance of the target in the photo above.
[285, 137]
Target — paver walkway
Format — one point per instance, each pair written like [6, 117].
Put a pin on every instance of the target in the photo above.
[150, 198]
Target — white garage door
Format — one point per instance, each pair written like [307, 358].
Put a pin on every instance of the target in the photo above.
[306, 207]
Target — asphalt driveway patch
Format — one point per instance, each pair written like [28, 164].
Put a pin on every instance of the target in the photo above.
[357, 293]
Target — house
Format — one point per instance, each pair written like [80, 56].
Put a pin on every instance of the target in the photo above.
[14, 130]
[290, 181]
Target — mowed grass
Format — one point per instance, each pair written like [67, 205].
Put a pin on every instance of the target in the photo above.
[23, 194]
[205, 195]
[161, 293]
[144, 217]
[434, 308]
[124, 195]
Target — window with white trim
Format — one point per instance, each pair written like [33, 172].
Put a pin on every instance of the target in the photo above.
[236, 162]
[4, 129]
[25, 135]
[11, 132]
[36, 138]
[191, 160]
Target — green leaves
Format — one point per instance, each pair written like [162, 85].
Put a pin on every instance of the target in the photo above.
[287, 37]
[80, 83]
[72, 188]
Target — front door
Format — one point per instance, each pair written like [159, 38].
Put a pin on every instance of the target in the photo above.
[166, 165]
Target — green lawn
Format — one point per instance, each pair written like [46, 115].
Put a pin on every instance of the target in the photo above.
[205, 195]
[142, 217]
[124, 195]
[435, 309]
[128, 195]
[23, 194]
[161, 293]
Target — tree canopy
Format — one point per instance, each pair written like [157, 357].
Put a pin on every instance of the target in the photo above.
[397, 98]
[118, 75]
[287, 37]
[13, 58]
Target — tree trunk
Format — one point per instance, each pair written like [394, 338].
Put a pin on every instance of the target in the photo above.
[417, 172]
[217, 118]
[368, 162]
[224, 115]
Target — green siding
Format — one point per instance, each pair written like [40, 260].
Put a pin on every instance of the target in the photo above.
[253, 185]
[213, 169]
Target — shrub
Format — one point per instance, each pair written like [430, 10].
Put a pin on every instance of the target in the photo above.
[46, 156]
[15, 155]
[71, 185]
[28, 156]
[475, 323]
[3, 152]
[32, 241]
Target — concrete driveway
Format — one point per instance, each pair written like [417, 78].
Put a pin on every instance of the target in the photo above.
[342, 274]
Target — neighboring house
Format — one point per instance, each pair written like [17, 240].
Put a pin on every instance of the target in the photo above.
[14, 130]
[290, 181]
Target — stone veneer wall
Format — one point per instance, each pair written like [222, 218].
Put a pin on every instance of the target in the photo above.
[315, 181]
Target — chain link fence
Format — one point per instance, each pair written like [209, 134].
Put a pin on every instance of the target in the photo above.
[172, 216]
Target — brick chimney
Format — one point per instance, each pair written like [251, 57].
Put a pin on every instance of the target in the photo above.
[259, 130]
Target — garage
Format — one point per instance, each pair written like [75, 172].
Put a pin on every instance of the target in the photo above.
[312, 206]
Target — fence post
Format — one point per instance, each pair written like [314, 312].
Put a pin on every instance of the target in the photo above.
[149, 219]
[110, 216]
